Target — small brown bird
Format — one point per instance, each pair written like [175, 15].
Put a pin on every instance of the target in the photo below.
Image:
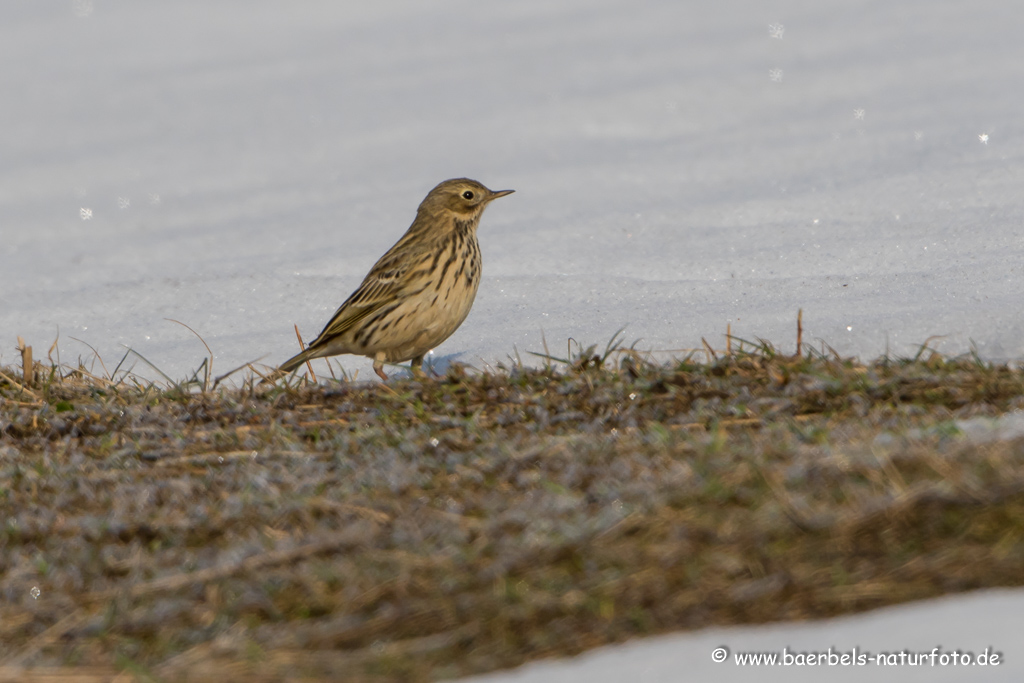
[420, 291]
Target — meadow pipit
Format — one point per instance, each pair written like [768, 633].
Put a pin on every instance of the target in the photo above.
[420, 291]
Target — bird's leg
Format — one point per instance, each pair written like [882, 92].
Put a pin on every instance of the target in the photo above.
[417, 366]
[378, 365]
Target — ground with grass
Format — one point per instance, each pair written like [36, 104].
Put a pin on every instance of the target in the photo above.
[425, 529]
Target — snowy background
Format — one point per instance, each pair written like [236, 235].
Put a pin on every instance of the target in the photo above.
[240, 165]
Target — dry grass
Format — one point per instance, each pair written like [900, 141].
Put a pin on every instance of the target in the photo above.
[427, 529]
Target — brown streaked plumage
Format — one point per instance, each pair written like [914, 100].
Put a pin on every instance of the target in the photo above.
[420, 291]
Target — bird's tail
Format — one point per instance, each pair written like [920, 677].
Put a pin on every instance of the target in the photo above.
[296, 360]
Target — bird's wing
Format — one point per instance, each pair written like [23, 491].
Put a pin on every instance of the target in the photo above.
[383, 285]
[377, 289]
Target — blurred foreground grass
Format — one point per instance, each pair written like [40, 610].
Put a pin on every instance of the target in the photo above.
[428, 529]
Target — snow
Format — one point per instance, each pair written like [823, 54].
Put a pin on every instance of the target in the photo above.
[238, 166]
[245, 163]
[981, 623]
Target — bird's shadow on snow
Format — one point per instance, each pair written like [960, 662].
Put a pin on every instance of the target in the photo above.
[438, 365]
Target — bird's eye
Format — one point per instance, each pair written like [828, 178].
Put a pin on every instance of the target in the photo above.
[468, 194]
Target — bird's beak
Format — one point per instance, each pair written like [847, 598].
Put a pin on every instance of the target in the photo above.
[500, 193]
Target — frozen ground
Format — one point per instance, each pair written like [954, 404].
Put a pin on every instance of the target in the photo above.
[239, 165]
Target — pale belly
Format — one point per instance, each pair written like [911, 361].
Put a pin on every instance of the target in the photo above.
[426, 321]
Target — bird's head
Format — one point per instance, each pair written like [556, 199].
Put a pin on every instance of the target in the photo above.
[462, 197]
